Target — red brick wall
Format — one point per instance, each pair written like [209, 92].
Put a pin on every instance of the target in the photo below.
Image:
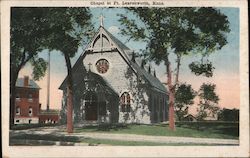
[24, 102]
[44, 117]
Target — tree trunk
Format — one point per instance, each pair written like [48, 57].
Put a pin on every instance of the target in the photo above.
[177, 70]
[69, 95]
[13, 79]
[171, 96]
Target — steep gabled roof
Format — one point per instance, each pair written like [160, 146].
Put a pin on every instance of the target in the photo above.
[32, 83]
[155, 82]
[124, 51]
[117, 41]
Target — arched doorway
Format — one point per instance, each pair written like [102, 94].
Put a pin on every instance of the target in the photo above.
[91, 106]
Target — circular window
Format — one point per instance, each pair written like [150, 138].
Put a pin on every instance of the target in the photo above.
[102, 66]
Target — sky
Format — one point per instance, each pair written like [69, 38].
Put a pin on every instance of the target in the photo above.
[225, 61]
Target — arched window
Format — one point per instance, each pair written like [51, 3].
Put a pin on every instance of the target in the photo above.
[30, 111]
[90, 97]
[125, 102]
[18, 110]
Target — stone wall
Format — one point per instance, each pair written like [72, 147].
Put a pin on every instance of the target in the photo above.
[122, 79]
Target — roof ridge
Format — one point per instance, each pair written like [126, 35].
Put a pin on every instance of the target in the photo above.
[32, 83]
[156, 82]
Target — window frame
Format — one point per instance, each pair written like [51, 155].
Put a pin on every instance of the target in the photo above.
[125, 102]
[18, 112]
[102, 66]
[18, 97]
[30, 97]
[30, 111]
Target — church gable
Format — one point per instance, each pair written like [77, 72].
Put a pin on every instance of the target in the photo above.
[101, 42]
[105, 42]
[131, 91]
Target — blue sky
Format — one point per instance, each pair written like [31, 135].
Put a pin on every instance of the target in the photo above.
[225, 61]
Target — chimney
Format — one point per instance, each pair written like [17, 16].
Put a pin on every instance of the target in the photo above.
[26, 81]
[40, 105]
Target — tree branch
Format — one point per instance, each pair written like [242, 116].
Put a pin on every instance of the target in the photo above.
[177, 70]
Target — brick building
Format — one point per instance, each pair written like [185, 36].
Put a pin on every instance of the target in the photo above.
[27, 108]
[27, 101]
[49, 116]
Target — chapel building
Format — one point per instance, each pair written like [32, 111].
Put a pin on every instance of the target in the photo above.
[111, 85]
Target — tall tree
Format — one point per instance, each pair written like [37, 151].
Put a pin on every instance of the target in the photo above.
[183, 99]
[208, 105]
[26, 34]
[62, 29]
[69, 27]
[177, 31]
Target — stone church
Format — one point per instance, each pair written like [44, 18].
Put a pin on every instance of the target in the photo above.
[111, 85]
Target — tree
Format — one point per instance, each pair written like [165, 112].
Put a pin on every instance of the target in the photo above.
[208, 101]
[26, 34]
[177, 31]
[62, 29]
[68, 28]
[228, 115]
[183, 99]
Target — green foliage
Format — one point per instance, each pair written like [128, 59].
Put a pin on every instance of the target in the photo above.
[208, 101]
[67, 28]
[161, 131]
[179, 30]
[26, 34]
[39, 68]
[184, 96]
[35, 29]
[228, 115]
[199, 68]
[207, 93]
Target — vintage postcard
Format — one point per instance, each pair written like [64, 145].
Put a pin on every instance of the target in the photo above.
[132, 78]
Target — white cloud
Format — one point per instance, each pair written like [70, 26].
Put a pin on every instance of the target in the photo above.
[113, 29]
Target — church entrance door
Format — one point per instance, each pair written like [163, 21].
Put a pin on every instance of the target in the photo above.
[91, 106]
[91, 111]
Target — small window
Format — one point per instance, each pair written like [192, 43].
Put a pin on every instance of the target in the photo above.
[18, 110]
[30, 111]
[125, 102]
[30, 121]
[17, 121]
[17, 97]
[30, 97]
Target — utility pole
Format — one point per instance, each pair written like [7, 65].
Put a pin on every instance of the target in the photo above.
[48, 82]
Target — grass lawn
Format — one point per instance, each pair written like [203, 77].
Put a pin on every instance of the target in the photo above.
[156, 130]
[119, 142]
[134, 143]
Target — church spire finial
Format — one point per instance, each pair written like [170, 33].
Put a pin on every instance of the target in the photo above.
[90, 66]
[101, 20]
